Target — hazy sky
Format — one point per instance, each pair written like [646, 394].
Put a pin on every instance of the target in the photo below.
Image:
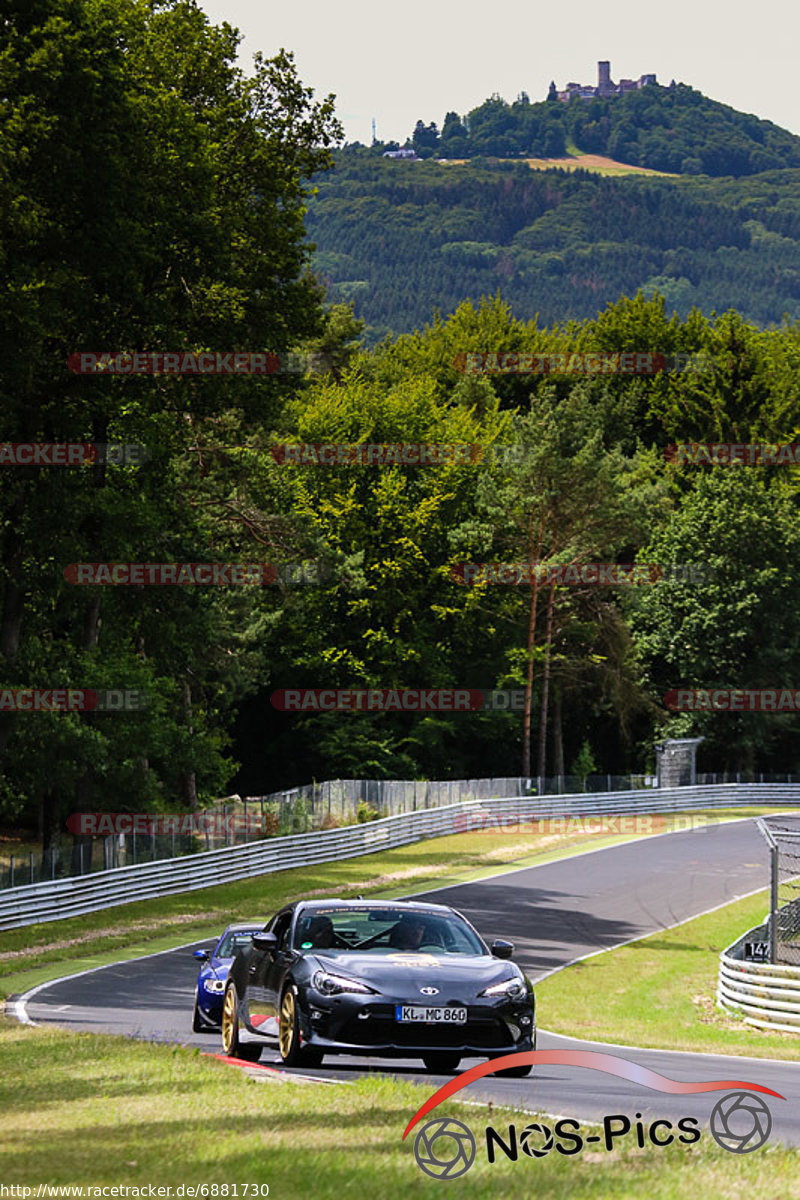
[424, 57]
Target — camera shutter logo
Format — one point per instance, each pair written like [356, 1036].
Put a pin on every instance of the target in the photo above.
[527, 1144]
[740, 1122]
[444, 1148]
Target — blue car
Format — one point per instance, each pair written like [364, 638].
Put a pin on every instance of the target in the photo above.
[210, 991]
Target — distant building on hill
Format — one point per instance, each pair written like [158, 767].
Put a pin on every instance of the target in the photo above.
[399, 154]
[605, 85]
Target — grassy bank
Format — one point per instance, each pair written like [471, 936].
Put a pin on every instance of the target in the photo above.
[660, 991]
[37, 953]
[92, 1110]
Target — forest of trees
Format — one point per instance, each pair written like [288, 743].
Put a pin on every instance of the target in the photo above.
[205, 251]
[400, 239]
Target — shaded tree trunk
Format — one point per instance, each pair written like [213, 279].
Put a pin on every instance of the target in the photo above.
[534, 554]
[187, 785]
[92, 623]
[527, 714]
[85, 788]
[558, 733]
[546, 680]
[13, 605]
[50, 810]
[82, 843]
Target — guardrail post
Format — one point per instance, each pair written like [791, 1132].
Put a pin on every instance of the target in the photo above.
[11, 872]
[30, 865]
[773, 918]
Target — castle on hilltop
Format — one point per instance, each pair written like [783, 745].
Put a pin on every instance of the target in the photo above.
[605, 86]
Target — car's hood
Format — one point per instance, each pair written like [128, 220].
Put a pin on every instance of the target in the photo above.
[408, 971]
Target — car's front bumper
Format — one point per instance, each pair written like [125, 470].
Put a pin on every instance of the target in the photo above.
[210, 1012]
[352, 1024]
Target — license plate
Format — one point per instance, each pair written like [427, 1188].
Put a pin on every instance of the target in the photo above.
[437, 1016]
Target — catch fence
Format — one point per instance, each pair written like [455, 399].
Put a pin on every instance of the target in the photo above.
[782, 835]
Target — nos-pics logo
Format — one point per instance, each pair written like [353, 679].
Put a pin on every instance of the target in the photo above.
[446, 1148]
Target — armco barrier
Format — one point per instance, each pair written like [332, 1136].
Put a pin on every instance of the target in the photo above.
[762, 994]
[64, 898]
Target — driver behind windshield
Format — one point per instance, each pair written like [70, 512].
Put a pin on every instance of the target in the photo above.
[319, 932]
[408, 934]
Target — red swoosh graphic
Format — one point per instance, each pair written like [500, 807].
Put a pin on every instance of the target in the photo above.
[593, 1060]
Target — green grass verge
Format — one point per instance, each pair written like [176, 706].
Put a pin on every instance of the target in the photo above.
[83, 1109]
[38, 953]
[660, 991]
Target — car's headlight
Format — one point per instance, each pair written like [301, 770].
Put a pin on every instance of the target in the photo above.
[513, 988]
[214, 985]
[331, 985]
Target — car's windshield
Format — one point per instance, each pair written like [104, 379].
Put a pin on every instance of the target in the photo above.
[385, 931]
[233, 941]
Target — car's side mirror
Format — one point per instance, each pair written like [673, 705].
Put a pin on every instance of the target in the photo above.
[202, 955]
[265, 941]
[502, 949]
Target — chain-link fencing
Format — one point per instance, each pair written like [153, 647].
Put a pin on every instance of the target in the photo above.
[782, 834]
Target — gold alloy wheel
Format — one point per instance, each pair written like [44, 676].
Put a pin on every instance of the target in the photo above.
[229, 1021]
[286, 1026]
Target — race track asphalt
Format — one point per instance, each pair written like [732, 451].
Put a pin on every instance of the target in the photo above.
[554, 913]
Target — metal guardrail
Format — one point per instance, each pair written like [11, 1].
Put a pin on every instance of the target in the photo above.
[235, 820]
[766, 995]
[62, 898]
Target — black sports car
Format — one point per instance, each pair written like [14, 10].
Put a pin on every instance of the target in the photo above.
[396, 979]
